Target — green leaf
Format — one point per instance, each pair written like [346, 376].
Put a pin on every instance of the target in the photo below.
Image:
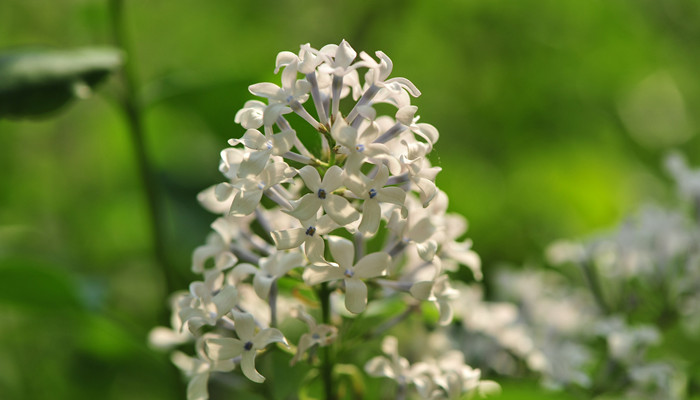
[37, 285]
[35, 82]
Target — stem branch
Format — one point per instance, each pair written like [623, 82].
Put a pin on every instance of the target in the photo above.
[327, 366]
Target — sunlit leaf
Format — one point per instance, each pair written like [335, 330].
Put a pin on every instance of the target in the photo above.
[35, 82]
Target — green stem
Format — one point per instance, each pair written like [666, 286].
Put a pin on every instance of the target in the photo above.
[272, 297]
[594, 284]
[131, 107]
[327, 365]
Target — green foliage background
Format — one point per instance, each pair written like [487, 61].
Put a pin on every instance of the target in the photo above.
[529, 97]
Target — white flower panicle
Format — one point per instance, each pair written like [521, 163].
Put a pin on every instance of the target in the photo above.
[316, 179]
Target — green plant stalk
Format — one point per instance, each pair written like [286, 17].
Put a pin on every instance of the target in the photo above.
[593, 281]
[324, 294]
[131, 107]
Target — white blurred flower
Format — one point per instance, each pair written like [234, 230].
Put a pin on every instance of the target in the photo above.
[318, 335]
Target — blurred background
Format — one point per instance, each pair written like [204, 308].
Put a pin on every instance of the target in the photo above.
[554, 120]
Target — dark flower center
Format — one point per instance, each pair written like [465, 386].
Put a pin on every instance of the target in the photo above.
[372, 193]
[248, 345]
[311, 231]
[321, 194]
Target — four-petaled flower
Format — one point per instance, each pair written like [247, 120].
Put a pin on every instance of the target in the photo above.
[343, 252]
[318, 335]
[246, 346]
[337, 207]
[310, 234]
[372, 191]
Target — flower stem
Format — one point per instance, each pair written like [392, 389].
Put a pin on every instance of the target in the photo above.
[327, 365]
[131, 106]
[273, 304]
[593, 281]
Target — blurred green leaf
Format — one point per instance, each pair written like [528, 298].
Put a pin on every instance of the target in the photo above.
[35, 82]
[37, 285]
[107, 339]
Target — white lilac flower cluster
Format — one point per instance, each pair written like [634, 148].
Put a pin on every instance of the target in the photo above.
[643, 280]
[590, 324]
[536, 324]
[341, 205]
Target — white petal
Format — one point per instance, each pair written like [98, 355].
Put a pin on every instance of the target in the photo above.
[390, 346]
[392, 194]
[311, 178]
[267, 336]
[325, 224]
[253, 163]
[314, 247]
[241, 271]
[355, 295]
[223, 191]
[422, 290]
[273, 174]
[422, 230]
[225, 260]
[283, 141]
[284, 58]
[289, 239]
[344, 55]
[306, 207]
[226, 299]
[472, 260]
[333, 178]
[347, 136]
[248, 367]
[342, 250]
[164, 338]
[427, 250]
[207, 198]
[357, 184]
[223, 348]
[314, 274]
[379, 366]
[376, 149]
[264, 89]
[273, 112]
[245, 202]
[339, 209]
[197, 387]
[380, 179]
[367, 111]
[427, 132]
[253, 139]
[262, 283]
[199, 289]
[289, 75]
[302, 346]
[286, 262]
[445, 313]
[372, 265]
[406, 84]
[371, 216]
[200, 255]
[406, 114]
[427, 189]
[244, 324]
